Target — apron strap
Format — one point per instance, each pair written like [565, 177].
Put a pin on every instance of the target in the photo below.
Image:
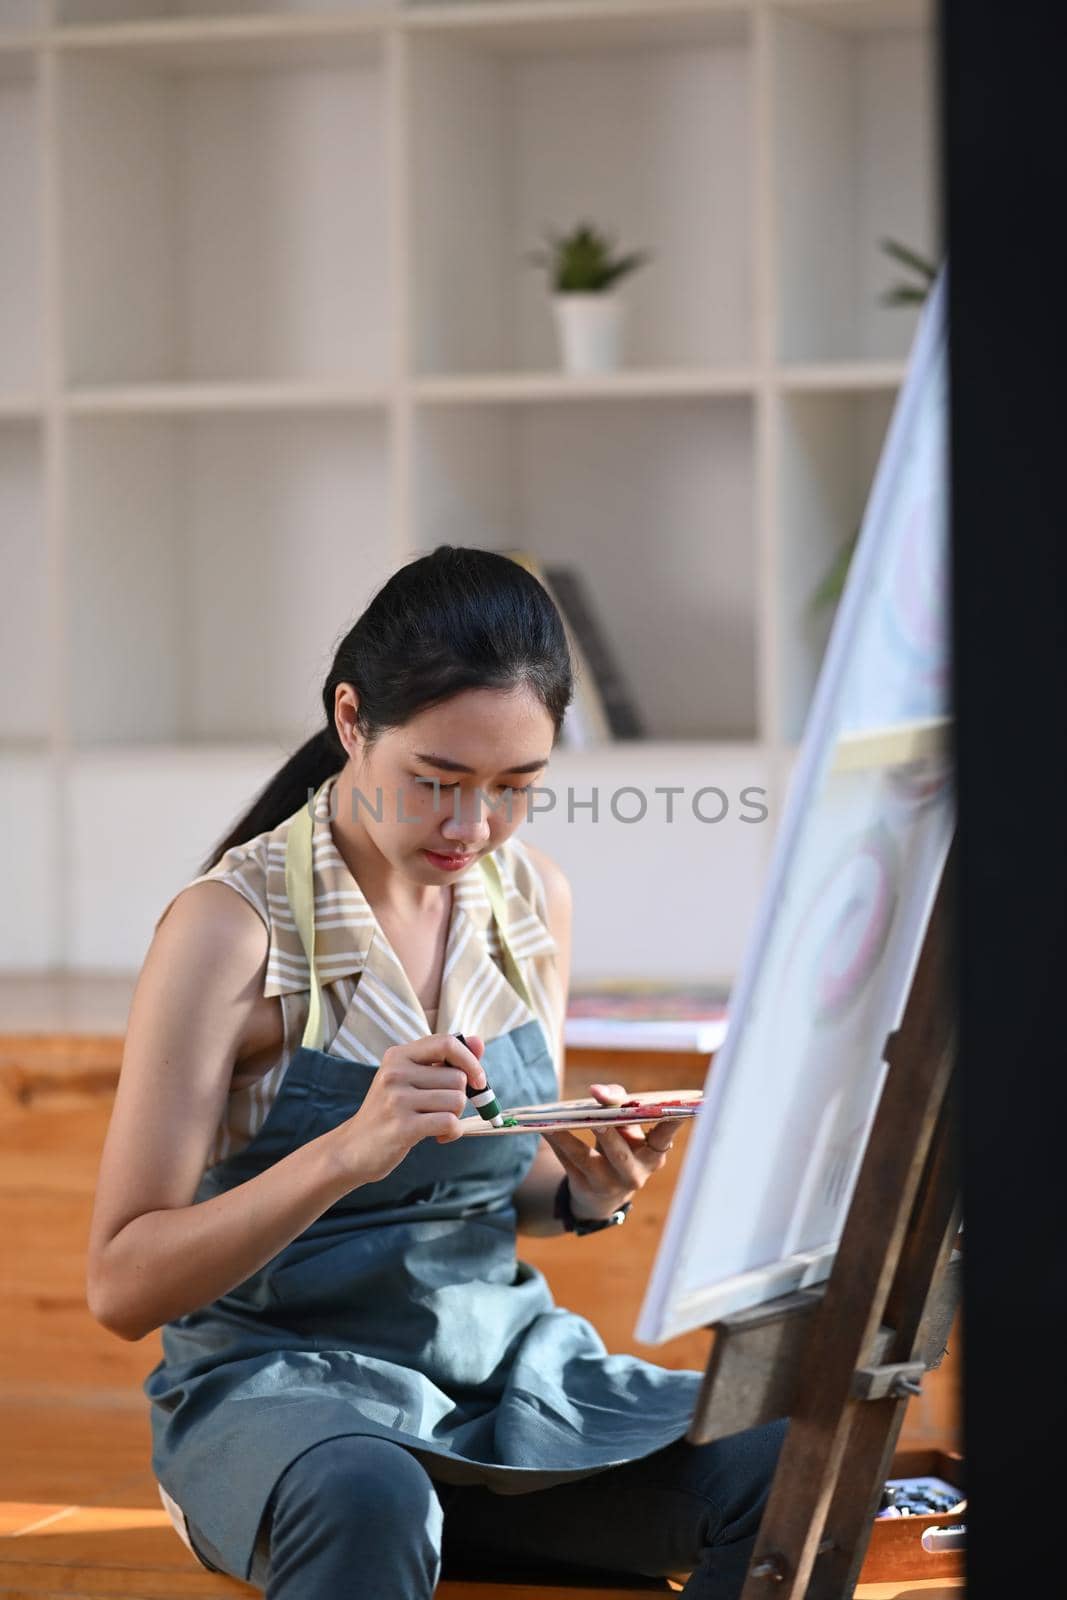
[495, 890]
[299, 889]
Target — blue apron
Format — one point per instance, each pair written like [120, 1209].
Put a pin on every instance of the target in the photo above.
[401, 1312]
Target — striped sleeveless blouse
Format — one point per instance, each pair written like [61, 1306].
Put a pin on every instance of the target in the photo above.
[369, 1003]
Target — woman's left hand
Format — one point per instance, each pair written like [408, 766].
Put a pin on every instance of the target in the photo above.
[605, 1175]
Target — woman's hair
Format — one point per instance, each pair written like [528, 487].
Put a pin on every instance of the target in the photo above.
[458, 618]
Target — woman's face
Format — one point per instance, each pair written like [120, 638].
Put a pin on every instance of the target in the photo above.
[452, 781]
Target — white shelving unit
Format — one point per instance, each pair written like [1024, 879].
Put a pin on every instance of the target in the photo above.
[266, 330]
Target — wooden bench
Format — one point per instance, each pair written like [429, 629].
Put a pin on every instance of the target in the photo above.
[79, 1510]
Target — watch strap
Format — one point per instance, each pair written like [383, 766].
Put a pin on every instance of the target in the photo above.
[583, 1225]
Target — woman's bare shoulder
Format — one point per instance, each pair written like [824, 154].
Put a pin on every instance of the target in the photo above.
[245, 869]
[204, 971]
[208, 917]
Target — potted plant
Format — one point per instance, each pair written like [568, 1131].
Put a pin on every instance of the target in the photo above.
[584, 271]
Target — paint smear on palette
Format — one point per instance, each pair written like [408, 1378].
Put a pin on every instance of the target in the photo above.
[841, 937]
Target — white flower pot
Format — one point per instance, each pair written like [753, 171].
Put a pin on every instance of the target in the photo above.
[589, 327]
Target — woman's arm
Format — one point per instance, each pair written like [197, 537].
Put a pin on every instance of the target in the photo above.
[153, 1254]
[535, 1195]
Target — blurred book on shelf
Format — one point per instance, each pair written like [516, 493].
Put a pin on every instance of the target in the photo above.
[586, 721]
[575, 601]
[638, 1015]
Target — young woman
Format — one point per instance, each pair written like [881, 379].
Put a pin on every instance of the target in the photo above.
[358, 1373]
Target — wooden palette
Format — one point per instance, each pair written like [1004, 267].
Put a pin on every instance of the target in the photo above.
[649, 1106]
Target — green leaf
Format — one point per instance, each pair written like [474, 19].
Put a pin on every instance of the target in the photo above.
[909, 258]
[584, 259]
[624, 265]
[904, 294]
[832, 585]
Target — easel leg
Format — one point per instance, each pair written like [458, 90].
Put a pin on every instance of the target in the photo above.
[876, 1424]
[894, 1237]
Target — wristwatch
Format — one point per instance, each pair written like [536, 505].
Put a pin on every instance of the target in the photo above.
[582, 1225]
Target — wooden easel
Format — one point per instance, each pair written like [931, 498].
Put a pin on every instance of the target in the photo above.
[843, 1359]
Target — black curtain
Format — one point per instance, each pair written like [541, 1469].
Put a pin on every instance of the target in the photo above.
[1004, 100]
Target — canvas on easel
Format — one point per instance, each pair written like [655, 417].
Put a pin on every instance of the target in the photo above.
[815, 1216]
[772, 1160]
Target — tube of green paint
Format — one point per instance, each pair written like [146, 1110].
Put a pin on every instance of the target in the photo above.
[484, 1099]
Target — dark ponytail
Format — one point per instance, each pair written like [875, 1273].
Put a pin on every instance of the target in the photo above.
[459, 618]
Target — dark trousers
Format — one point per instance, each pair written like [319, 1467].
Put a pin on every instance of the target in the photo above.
[359, 1516]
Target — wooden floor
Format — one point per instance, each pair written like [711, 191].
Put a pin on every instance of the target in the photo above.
[80, 1515]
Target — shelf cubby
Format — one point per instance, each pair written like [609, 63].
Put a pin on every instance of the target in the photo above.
[829, 447]
[30, 932]
[224, 222]
[516, 128]
[669, 552]
[25, 625]
[22, 17]
[22, 254]
[854, 156]
[213, 562]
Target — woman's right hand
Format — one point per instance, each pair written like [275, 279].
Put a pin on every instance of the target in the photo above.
[418, 1091]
